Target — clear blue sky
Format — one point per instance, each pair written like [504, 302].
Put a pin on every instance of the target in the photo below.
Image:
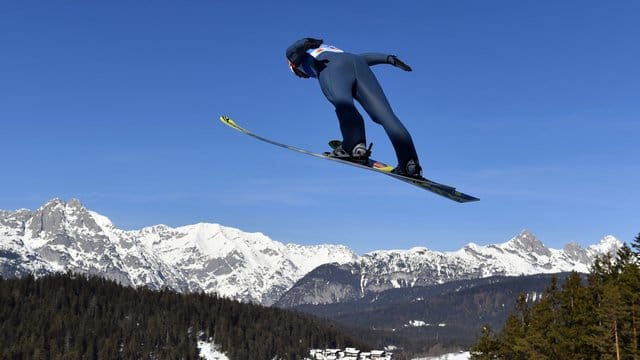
[532, 106]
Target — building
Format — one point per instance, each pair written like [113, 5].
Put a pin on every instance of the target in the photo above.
[348, 354]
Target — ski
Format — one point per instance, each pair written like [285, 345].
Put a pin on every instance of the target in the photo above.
[447, 191]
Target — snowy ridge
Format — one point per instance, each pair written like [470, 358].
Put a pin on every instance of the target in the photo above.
[63, 236]
[379, 271]
[522, 255]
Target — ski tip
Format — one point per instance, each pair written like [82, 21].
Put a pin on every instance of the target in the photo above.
[228, 121]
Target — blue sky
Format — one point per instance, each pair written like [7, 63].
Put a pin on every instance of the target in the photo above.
[531, 106]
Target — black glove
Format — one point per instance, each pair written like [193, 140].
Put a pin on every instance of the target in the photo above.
[393, 60]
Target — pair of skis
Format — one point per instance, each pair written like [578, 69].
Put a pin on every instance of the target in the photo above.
[373, 165]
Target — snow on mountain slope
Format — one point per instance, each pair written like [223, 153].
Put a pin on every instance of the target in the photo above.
[522, 255]
[388, 269]
[63, 236]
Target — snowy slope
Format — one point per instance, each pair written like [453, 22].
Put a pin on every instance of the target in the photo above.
[453, 356]
[388, 269]
[210, 351]
[63, 236]
[522, 255]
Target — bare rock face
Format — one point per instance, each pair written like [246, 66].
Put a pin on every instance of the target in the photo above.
[314, 289]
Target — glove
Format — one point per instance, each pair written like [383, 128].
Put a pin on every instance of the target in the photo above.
[393, 60]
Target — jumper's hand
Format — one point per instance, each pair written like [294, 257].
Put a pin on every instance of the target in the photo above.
[393, 60]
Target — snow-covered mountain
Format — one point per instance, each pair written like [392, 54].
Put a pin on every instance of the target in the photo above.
[522, 255]
[383, 270]
[65, 236]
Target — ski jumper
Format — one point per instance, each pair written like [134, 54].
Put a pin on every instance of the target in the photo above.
[345, 77]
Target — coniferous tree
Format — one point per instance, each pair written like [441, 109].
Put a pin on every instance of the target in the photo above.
[487, 347]
[596, 320]
[512, 342]
[635, 245]
[76, 317]
[544, 328]
[571, 317]
[629, 287]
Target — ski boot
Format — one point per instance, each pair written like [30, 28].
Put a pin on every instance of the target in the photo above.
[360, 154]
[412, 170]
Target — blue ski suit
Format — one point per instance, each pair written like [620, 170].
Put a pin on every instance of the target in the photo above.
[345, 77]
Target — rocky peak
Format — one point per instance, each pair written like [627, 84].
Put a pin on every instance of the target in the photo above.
[56, 216]
[528, 242]
[14, 219]
[62, 236]
[576, 252]
[608, 245]
[65, 236]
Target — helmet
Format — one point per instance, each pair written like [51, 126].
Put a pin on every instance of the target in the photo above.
[296, 70]
[298, 57]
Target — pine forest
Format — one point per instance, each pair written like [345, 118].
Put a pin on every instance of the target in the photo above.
[597, 317]
[68, 316]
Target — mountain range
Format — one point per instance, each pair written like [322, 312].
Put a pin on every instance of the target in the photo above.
[450, 314]
[379, 271]
[66, 236]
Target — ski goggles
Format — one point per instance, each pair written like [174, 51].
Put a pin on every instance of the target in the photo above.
[297, 71]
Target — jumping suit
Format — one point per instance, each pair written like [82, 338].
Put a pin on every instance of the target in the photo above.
[346, 77]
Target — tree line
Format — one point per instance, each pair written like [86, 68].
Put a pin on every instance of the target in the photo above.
[71, 316]
[592, 317]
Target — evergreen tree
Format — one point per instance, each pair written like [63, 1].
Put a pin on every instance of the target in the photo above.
[574, 317]
[596, 320]
[76, 317]
[512, 341]
[487, 347]
[544, 330]
[629, 287]
[635, 245]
